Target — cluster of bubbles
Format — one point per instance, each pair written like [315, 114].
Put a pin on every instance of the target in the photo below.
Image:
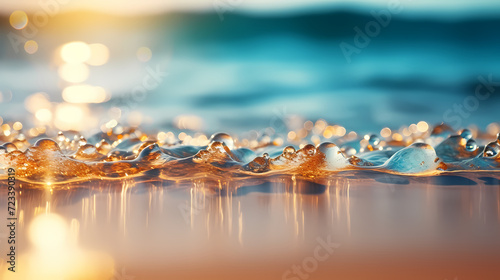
[129, 152]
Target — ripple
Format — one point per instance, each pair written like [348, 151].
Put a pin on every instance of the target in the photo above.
[70, 156]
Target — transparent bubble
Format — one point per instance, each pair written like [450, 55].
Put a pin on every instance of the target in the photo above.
[216, 146]
[466, 134]
[333, 157]
[288, 151]
[471, 145]
[88, 149]
[309, 150]
[60, 136]
[491, 150]
[326, 147]
[47, 144]
[103, 147]
[224, 138]
[374, 140]
[10, 147]
[82, 141]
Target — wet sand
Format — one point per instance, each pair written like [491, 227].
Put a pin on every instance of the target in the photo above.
[383, 226]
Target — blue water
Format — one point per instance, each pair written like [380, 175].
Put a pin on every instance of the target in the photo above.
[248, 71]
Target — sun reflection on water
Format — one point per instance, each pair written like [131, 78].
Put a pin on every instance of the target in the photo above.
[56, 255]
[207, 215]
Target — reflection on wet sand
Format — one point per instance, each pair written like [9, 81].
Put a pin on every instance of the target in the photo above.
[273, 220]
[55, 253]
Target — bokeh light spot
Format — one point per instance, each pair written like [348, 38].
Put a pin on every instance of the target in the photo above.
[422, 126]
[17, 126]
[44, 115]
[37, 101]
[18, 19]
[99, 54]
[75, 52]
[190, 122]
[84, 94]
[31, 46]
[144, 54]
[70, 116]
[385, 132]
[74, 72]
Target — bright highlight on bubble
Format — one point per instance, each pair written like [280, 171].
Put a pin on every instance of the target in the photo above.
[18, 19]
[84, 94]
[74, 72]
[75, 52]
[31, 47]
[144, 54]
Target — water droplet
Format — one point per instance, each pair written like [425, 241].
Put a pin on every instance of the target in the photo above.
[224, 138]
[10, 147]
[258, 165]
[416, 158]
[82, 141]
[216, 146]
[466, 134]
[201, 156]
[88, 149]
[103, 147]
[47, 144]
[60, 136]
[308, 150]
[265, 155]
[374, 140]
[471, 145]
[334, 158]
[288, 151]
[491, 150]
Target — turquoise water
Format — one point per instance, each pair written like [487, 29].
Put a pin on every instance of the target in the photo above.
[249, 71]
[206, 212]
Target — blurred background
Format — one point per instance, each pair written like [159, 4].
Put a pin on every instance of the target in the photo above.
[241, 65]
[254, 66]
